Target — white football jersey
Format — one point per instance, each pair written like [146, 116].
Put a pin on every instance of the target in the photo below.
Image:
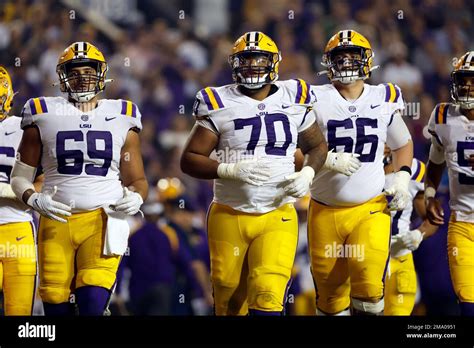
[10, 137]
[81, 150]
[361, 126]
[401, 219]
[248, 128]
[455, 133]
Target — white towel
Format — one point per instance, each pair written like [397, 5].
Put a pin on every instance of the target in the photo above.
[116, 234]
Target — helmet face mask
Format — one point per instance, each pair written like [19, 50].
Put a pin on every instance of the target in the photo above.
[254, 60]
[347, 64]
[252, 69]
[348, 57]
[82, 70]
[462, 88]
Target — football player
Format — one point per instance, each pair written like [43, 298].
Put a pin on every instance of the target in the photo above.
[18, 259]
[452, 145]
[349, 221]
[89, 150]
[400, 279]
[254, 125]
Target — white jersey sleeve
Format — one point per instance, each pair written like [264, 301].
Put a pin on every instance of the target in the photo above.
[202, 111]
[398, 134]
[308, 120]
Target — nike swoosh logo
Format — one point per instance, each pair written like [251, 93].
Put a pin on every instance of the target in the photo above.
[374, 106]
[19, 238]
[285, 106]
[373, 212]
[7, 134]
[285, 220]
[402, 261]
[110, 119]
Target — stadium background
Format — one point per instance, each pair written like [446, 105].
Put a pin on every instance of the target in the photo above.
[160, 53]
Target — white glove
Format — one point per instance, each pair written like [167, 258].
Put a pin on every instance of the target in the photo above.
[412, 239]
[6, 191]
[399, 191]
[397, 247]
[129, 204]
[298, 184]
[44, 204]
[343, 162]
[250, 171]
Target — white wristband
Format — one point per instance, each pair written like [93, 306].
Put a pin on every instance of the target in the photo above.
[430, 192]
[224, 170]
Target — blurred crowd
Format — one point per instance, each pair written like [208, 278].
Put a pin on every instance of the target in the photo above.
[160, 53]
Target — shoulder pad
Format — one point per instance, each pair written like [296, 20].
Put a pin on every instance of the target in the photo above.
[418, 170]
[128, 109]
[392, 93]
[302, 92]
[212, 98]
[441, 113]
[38, 106]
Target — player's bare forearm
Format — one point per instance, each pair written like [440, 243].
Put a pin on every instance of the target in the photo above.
[199, 166]
[419, 204]
[313, 145]
[132, 171]
[403, 156]
[140, 186]
[299, 160]
[434, 172]
[30, 147]
[38, 184]
[427, 228]
[195, 159]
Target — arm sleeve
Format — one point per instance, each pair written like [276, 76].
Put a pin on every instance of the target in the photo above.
[308, 119]
[398, 134]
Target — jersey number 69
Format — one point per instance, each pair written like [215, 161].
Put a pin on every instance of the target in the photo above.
[72, 161]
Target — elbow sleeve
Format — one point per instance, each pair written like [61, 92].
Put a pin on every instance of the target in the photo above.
[22, 178]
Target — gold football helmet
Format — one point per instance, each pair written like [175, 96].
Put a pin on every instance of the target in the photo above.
[462, 81]
[254, 60]
[82, 87]
[6, 93]
[348, 57]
